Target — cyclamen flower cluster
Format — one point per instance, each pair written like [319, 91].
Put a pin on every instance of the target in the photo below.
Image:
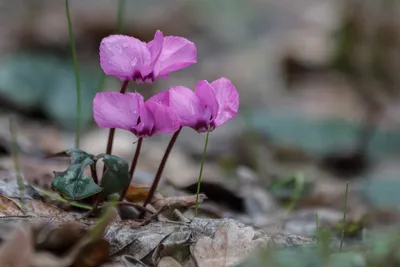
[127, 58]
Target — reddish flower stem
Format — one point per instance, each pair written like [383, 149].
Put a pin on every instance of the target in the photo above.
[160, 170]
[133, 166]
[112, 130]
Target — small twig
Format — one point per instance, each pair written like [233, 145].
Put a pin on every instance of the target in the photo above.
[125, 203]
[154, 215]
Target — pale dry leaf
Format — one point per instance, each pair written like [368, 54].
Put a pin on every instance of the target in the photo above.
[18, 249]
[178, 202]
[228, 247]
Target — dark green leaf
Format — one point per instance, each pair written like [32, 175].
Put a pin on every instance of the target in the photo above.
[381, 191]
[320, 136]
[47, 82]
[72, 183]
[116, 177]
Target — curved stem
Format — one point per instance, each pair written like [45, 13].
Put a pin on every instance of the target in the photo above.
[133, 166]
[201, 172]
[112, 130]
[76, 71]
[160, 170]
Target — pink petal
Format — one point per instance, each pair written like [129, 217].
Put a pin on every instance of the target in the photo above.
[155, 47]
[124, 56]
[177, 53]
[146, 124]
[190, 109]
[160, 98]
[206, 92]
[166, 120]
[116, 110]
[228, 100]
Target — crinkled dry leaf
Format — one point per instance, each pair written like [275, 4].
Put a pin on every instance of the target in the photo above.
[168, 262]
[130, 261]
[176, 245]
[229, 245]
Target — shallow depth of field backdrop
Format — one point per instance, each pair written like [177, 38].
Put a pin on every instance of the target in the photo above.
[319, 84]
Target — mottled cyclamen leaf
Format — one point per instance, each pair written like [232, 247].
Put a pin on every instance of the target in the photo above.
[76, 155]
[72, 183]
[116, 177]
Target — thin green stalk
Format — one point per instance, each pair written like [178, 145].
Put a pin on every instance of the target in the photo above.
[344, 216]
[317, 226]
[58, 198]
[14, 152]
[120, 24]
[120, 15]
[201, 172]
[298, 190]
[76, 70]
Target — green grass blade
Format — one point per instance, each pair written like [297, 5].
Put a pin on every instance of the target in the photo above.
[344, 216]
[120, 24]
[14, 152]
[76, 71]
[201, 172]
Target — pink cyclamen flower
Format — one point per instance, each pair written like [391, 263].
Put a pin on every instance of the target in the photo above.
[130, 112]
[212, 104]
[128, 58]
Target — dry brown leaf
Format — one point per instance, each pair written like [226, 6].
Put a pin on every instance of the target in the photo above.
[93, 254]
[9, 208]
[229, 245]
[38, 208]
[137, 194]
[17, 250]
[59, 239]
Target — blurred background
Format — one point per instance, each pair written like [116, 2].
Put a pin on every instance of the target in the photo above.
[319, 97]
